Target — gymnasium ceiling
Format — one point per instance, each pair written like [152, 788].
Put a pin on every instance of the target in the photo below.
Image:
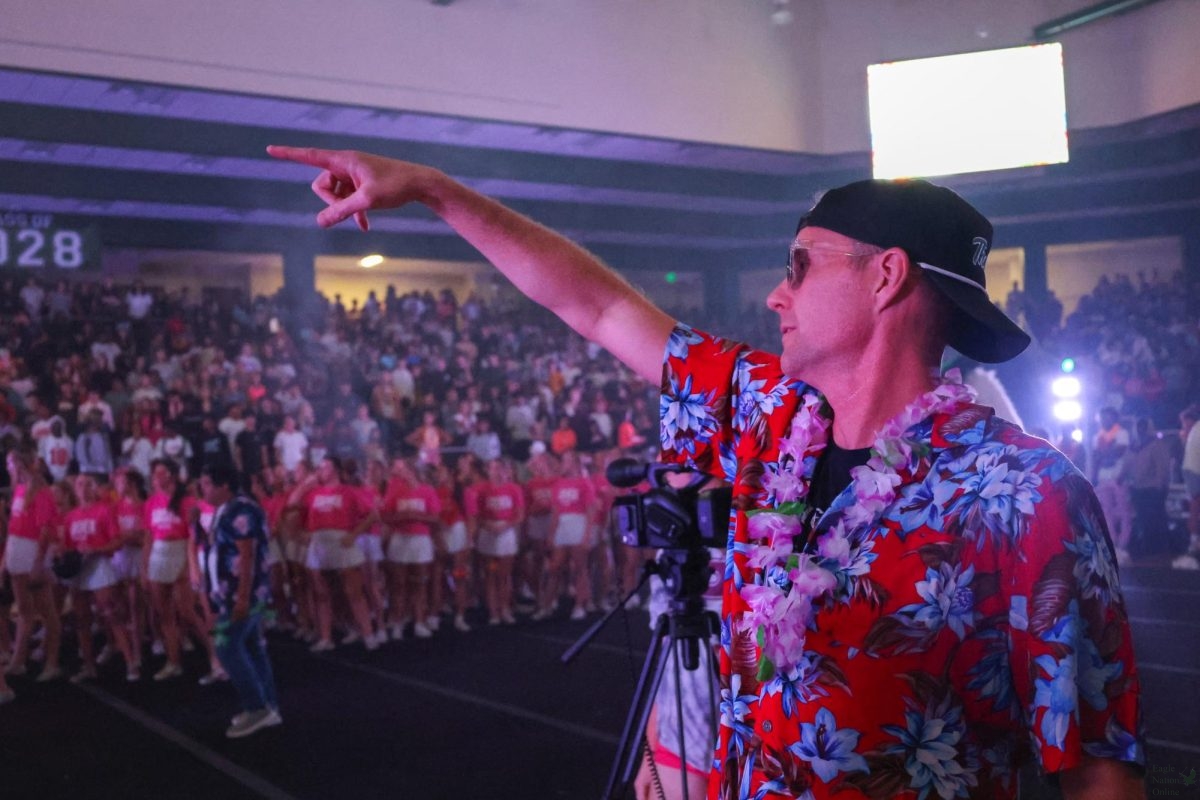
[168, 167]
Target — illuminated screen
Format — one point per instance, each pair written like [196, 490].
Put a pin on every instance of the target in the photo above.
[968, 113]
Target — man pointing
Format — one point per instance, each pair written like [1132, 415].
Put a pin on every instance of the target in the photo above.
[918, 596]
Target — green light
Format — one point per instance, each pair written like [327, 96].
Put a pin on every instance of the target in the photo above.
[1068, 365]
[672, 277]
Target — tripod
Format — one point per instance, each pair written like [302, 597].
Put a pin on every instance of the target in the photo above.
[679, 633]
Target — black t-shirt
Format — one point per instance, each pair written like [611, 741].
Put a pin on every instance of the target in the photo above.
[832, 475]
[250, 446]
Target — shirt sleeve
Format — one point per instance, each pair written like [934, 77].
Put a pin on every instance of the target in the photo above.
[1070, 647]
[702, 381]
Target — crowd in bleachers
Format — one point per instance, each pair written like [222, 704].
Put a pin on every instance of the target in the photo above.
[1139, 337]
[483, 425]
[426, 412]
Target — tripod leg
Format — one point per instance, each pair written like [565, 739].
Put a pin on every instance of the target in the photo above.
[629, 750]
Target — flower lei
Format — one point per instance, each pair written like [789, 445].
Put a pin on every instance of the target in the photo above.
[782, 600]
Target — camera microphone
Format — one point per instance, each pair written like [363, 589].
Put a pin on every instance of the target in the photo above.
[625, 473]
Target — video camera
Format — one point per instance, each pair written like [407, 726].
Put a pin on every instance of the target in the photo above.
[666, 516]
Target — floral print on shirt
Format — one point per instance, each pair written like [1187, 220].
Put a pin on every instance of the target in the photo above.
[976, 625]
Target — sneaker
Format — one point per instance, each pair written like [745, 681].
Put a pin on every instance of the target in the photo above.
[397, 633]
[105, 655]
[507, 618]
[168, 672]
[1186, 561]
[251, 721]
[493, 621]
[1123, 558]
[157, 648]
[83, 675]
[15, 670]
[7, 697]
[421, 631]
[371, 643]
[541, 614]
[578, 613]
[433, 622]
[321, 646]
[633, 603]
[460, 624]
[133, 674]
[216, 676]
[49, 674]
[351, 637]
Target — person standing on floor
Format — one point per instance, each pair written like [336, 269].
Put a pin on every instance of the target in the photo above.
[237, 581]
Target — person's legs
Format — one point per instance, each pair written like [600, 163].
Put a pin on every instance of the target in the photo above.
[398, 592]
[551, 586]
[233, 650]
[352, 587]
[81, 602]
[417, 578]
[25, 623]
[111, 608]
[322, 607]
[46, 608]
[582, 577]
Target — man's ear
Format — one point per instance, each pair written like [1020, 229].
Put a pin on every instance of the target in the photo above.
[895, 277]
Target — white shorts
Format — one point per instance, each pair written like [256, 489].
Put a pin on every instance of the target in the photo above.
[371, 546]
[97, 573]
[128, 563]
[539, 527]
[326, 551]
[498, 545]
[274, 552]
[295, 551]
[454, 537]
[571, 530]
[410, 548]
[168, 559]
[20, 555]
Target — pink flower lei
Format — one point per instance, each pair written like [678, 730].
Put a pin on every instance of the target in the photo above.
[788, 585]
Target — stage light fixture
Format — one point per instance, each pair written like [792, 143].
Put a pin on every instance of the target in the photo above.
[374, 260]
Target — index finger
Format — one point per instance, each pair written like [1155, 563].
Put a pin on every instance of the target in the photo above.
[313, 156]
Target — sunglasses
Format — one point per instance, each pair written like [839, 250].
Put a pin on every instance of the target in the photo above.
[799, 261]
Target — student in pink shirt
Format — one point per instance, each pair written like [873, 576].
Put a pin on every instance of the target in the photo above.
[91, 530]
[410, 510]
[499, 509]
[453, 552]
[572, 501]
[273, 505]
[539, 489]
[31, 537]
[334, 514]
[130, 488]
[165, 570]
[370, 541]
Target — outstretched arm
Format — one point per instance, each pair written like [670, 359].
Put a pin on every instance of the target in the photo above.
[552, 271]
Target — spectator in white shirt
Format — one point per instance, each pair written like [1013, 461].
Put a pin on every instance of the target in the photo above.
[290, 445]
[232, 424]
[138, 302]
[56, 450]
[137, 451]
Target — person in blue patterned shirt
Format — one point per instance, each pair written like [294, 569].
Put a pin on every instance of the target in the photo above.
[237, 581]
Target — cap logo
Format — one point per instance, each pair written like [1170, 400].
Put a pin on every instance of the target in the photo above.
[980, 245]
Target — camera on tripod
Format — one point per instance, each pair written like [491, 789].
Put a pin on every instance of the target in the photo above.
[666, 516]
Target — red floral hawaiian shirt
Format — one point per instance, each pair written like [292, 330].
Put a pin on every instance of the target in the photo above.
[977, 624]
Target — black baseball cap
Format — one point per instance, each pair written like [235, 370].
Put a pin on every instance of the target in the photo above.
[942, 233]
